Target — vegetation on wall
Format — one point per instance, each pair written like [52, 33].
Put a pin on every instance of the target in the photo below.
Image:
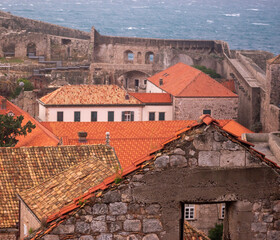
[212, 73]
[28, 86]
[216, 233]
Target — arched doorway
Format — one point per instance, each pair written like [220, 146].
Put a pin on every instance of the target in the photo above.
[31, 49]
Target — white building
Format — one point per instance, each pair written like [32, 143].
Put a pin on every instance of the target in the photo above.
[86, 103]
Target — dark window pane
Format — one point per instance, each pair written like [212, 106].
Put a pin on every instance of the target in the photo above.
[60, 116]
[207, 111]
[110, 116]
[93, 116]
[77, 116]
[161, 116]
[151, 116]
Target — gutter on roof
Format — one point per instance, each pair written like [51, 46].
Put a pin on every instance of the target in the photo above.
[93, 105]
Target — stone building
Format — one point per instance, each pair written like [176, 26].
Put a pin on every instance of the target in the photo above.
[200, 164]
[194, 93]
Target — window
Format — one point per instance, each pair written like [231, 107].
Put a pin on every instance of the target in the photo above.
[94, 116]
[151, 116]
[205, 111]
[130, 56]
[128, 116]
[60, 116]
[110, 116]
[161, 116]
[189, 212]
[136, 82]
[145, 81]
[222, 211]
[77, 116]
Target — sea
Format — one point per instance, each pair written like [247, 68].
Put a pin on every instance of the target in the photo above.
[244, 24]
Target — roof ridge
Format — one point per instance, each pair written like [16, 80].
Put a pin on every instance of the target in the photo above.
[53, 94]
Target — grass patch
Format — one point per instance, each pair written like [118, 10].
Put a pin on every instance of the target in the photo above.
[11, 60]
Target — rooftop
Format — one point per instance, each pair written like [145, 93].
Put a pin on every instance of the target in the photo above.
[152, 97]
[25, 167]
[275, 60]
[39, 136]
[89, 95]
[182, 80]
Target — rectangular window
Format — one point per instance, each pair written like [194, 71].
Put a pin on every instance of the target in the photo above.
[94, 116]
[110, 116]
[77, 116]
[136, 82]
[152, 116]
[207, 111]
[127, 116]
[189, 212]
[222, 211]
[161, 116]
[60, 116]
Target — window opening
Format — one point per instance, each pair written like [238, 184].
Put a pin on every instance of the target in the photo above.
[77, 116]
[127, 116]
[94, 116]
[207, 111]
[110, 116]
[60, 116]
[151, 116]
[130, 56]
[161, 116]
[189, 211]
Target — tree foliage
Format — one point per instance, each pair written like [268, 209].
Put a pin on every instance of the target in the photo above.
[208, 71]
[216, 233]
[11, 127]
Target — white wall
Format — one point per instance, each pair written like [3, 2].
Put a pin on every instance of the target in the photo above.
[42, 112]
[151, 88]
[157, 109]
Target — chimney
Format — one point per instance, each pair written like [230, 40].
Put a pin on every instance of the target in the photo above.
[107, 138]
[82, 137]
[126, 96]
[4, 103]
[160, 81]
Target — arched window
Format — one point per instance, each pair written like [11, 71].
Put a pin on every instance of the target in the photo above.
[149, 58]
[9, 50]
[31, 49]
[128, 56]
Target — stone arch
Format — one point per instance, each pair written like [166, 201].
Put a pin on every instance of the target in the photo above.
[128, 56]
[134, 80]
[184, 58]
[149, 57]
[31, 49]
[9, 50]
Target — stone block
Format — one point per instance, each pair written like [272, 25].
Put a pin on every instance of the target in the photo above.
[87, 218]
[132, 237]
[111, 218]
[276, 206]
[115, 226]
[209, 158]
[105, 236]
[232, 158]
[179, 151]
[99, 209]
[218, 137]
[178, 161]
[150, 237]
[64, 229]
[99, 226]
[273, 235]
[51, 237]
[82, 227]
[229, 145]
[259, 227]
[151, 225]
[162, 162]
[203, 142]
[132, 225]
[126, 195]
[134, 208]
[153, 209]
[192, 152]
[87, 237]
[267, 218]
[112, 196]
[252, 161]
[118, 208]
[193, 162]
[217, 146]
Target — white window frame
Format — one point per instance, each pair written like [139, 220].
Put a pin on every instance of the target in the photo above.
[189, 212]
[127, 116]
[222, 211]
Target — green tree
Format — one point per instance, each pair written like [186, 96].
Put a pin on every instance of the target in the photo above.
[208, 71]
[216, 233]
[11, 127]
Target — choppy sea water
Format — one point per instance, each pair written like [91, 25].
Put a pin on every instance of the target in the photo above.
[244, 24]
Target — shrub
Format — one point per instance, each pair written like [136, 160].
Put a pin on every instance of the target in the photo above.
[216, 233]
[208, 71]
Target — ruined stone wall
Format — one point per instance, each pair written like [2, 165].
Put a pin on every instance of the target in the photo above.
[192, 108]
[8, 236]
[9, 21]
[204, 168]
[73, 77]
[27, 102]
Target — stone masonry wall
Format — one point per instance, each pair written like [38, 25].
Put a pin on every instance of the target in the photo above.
[8, 236]
[201, 167]
[192, 108]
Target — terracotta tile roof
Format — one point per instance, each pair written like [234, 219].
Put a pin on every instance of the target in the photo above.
[235, 128]
[152, 97]
[191, 233]
[26, 167]
[229, 84]
[275, 60]
[182, 80]
[88, 95]
[96, 191]
[50, 196]
[39, 136]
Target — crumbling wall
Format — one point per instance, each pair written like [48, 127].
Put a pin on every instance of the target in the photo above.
[8, 236]
[201, 167]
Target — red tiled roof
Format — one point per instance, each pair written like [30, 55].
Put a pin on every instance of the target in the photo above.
[229, 84]
[205, 119]
[152, 97]
[39, 136]
[182, 80]
[275, 60]
[88, 95]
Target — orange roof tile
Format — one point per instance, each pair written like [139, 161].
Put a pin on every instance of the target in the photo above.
[39, 136]
[235, 128]
[88, 95]
[182, 80]
[229, 84]
[191, 233]
[152, 97]
[275, 60]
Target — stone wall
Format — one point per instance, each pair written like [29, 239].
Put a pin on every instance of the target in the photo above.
[8, 236]
[202, 167]
[192, 108]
